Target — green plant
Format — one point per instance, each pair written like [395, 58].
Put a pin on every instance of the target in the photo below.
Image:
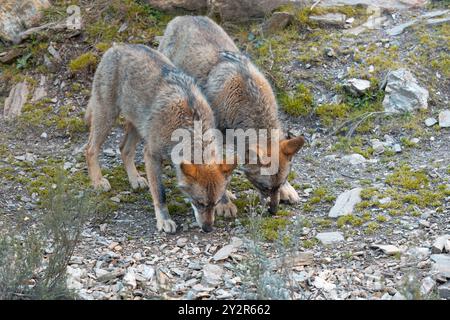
[22, 62]
[300, 103]
[24, 274]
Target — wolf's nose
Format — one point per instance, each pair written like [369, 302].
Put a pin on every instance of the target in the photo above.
[207, 228]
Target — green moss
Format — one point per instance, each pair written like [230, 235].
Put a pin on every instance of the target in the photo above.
[407, 178]
[407, 143]
[368, 193]
[240, 184]
[324, 223]
[72, 125]
[103, 46]
[307, 207]
[320, 192]
[329, 113]
[364, 204]
[86, 61]
[242, 204]
[309, 243]
[291, 176]
[300, 103]
[272, 226]
[365, 153]
[349, 220]
[372, 227]
[175, 208]
[381, 218]
[4, 150]
[366, 216]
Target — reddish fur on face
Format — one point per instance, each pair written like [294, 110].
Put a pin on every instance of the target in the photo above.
[209, 177]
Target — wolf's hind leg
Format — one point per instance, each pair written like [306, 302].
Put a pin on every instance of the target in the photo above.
[101, 122]
[128, 152]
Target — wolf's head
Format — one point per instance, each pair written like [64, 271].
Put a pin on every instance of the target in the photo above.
[269, 184]
[205, 185]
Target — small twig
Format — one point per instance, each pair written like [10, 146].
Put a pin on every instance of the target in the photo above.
[360, 119]
[315, 4]
[347, 175]
[364, 118]
[271, 57]
[48, 26]
[344, 124]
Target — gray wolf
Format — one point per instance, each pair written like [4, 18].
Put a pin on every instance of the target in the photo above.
[240, 96]
[155, 98]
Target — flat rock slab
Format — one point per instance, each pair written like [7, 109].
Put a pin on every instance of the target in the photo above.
[9, 56]
[224, 252]
[176, 5]
[357, 86]
[212, 274]
[354, 159]
[441, 264]
[278, 21]
[335, 19]
[41, 91]
[320, 283]
[16, 100]
[444, 290]
[398, 29]
[298, 259]
[444, 119]
[345, 203]
[403, 93]
[385, 4]
[330, 237]
[387, 248]
[109, 275]
[440, 243]
[429, 122]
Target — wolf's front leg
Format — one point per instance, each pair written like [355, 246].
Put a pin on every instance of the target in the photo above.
[225, 207]
[288, 193]
[153, 169]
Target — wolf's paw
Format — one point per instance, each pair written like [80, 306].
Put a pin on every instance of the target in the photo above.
[102, 185]
[139, 183]
[166, 225]
[288, 194]
[231, 195]
[228, 209]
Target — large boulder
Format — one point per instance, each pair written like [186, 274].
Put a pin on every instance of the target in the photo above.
[241, 10]
[403, 93]
[17, 16]
[198, 6]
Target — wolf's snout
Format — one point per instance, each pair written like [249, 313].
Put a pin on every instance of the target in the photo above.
[207, 228]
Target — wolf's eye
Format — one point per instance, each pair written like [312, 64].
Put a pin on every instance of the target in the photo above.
[200, 205]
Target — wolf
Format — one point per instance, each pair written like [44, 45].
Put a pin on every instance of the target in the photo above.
[240, 96]
[155, 98]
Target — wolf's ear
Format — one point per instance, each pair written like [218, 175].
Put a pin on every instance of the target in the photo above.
[290, 146]
[188, 169]
[227, 169]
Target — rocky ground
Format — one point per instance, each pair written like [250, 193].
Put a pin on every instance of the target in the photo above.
[374, 217]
